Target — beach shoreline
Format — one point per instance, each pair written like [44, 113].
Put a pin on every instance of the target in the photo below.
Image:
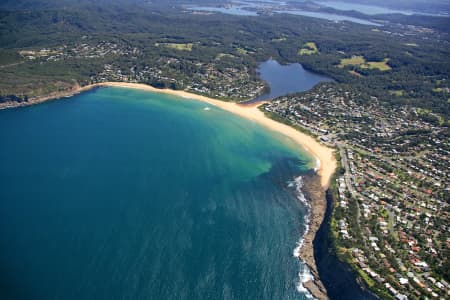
[323, 154]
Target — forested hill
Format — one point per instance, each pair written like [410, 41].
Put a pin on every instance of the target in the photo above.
[417, 5]
[56, 4]
[50, 47]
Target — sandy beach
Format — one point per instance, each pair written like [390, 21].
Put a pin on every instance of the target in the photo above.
[317, 186]
[323, 154]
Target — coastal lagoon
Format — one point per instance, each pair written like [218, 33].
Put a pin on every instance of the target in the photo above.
[287, 79]
[231, 10]
[362, 8]
[125, 194]
[244, 8]
[329, 17]
[374, 9]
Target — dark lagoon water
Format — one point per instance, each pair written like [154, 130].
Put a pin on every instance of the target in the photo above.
[287, 79]
[125, 194]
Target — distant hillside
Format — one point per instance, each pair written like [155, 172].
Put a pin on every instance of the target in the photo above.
[430, 6]
[52, 4]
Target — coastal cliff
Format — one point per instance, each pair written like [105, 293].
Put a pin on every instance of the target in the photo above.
[315, 185]
[315, 194]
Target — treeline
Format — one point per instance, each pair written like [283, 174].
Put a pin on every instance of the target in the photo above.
[418, 65]
[12, 98]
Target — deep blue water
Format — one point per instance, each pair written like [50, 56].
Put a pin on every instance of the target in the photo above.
[125, 194]
[287, 79]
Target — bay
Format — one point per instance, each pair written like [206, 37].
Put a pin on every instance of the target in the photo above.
[125, 194]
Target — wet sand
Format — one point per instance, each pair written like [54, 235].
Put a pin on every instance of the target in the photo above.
[326, 163]
[322, 153]
[316, 185]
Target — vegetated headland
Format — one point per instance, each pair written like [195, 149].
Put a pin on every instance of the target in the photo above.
[315, 188]
[387, 111]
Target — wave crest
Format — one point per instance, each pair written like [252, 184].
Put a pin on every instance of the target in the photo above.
[305, 274]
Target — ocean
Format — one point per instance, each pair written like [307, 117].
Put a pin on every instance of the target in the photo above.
[125, 194]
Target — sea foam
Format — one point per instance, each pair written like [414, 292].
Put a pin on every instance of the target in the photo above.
[317, 167]
[305, 274]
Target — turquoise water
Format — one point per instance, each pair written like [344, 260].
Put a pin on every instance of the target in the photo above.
[124, 194]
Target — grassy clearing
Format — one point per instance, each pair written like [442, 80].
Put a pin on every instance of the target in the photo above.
[242, 51]
[222, 55]
[380, 65]
[397, 93]
[309, 49]
[353, 61]
[177, 46]
[361, 62]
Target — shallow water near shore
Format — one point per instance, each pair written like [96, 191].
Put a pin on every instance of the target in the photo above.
[125, 194]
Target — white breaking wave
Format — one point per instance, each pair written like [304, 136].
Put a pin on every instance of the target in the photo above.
[298, 183]
[317, 168]
[304, 275]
